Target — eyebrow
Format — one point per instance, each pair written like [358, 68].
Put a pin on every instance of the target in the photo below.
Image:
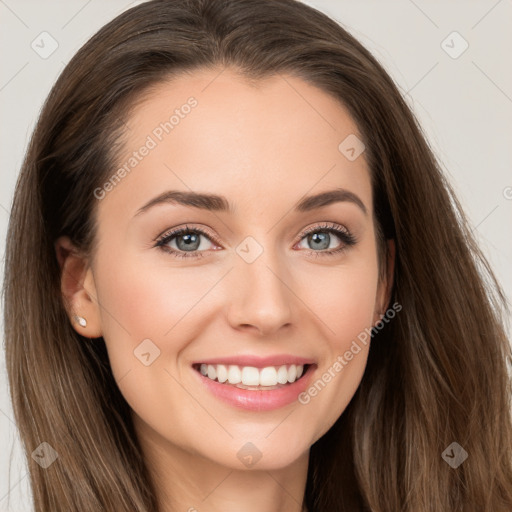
[218, 203]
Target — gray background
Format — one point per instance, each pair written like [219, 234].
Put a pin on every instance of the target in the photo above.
[464, 105]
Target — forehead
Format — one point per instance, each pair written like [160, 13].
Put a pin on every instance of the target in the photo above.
[241, 106]
[213, 130]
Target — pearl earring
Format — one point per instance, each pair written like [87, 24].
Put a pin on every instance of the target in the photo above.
[81, 320]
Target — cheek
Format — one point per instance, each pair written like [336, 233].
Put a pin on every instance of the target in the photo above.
[140, 300]
[145, 313]
[344, 300]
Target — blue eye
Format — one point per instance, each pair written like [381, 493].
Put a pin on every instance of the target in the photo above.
[188, 240]
[321, 237]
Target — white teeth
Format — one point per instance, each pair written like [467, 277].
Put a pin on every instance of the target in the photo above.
[251, 376]
[282, 375]
[292, 373]
[268, 376]
[234, 375]
[212, 372]
[222, 373]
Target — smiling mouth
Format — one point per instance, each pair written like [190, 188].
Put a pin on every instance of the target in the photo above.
[252, 378]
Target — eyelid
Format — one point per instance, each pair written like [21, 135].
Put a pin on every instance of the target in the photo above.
[187, 227]
[327, 226]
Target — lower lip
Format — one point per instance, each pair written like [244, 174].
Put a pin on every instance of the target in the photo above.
[258, 400]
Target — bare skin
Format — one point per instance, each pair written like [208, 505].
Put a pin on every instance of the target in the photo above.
[264, 148]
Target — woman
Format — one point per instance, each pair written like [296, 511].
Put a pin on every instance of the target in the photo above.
[174, 338]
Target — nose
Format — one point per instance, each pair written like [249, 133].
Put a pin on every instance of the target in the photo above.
[260, 296]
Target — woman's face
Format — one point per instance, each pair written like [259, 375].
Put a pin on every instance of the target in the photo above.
[254, 289]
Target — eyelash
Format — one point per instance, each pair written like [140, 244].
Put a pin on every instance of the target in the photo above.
[342, 233]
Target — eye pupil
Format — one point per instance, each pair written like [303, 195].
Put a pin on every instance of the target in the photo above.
[322, 238]
[190, 240]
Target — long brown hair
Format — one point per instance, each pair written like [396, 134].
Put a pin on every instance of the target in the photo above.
[436, 374]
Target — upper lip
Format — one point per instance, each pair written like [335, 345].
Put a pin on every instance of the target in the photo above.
[258, 361]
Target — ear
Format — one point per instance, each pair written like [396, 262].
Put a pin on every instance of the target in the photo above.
[78, 288]
[386, 283]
